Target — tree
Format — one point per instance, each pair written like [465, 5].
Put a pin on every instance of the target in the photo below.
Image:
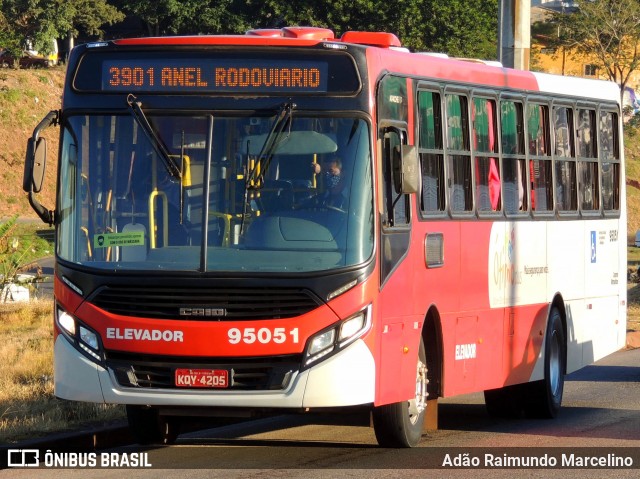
[607, 31]
[89, 16]
[39, 22]
[458, 27]
[22, 21]
[171, 17]
[462, 28]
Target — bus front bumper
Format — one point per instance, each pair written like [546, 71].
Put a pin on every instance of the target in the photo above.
[345, 379]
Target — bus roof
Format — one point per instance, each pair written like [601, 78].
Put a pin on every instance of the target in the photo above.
[389, 55]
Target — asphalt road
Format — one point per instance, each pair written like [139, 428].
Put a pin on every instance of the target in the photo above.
[601, 413]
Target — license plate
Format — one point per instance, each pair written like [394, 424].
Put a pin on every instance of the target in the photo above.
[202, 378]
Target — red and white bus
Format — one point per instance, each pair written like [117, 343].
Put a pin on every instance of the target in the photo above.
[285, 221]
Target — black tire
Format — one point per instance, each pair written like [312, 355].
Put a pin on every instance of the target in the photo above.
[544, 398]
[400, 424]
[148, 427]
[539, 399]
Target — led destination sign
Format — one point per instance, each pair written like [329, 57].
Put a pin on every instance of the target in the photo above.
[214, 75]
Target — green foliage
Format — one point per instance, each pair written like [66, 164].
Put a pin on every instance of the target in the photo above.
[19, 246]
[39, 22]
[170, 17]
[458, 27]
[632, 126]
[10, 95]
[5, 229]
[9, 260]
[89, 16]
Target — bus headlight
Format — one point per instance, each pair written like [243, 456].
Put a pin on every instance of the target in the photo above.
[351, 327]
[81, 336]
[89, 338]
[340, 335]
[322, 344]
[66, 322]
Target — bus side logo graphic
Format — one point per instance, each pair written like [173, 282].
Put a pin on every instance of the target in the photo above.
[593, 246]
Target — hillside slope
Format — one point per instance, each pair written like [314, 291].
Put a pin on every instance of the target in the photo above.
[632, 156]
[25, 98]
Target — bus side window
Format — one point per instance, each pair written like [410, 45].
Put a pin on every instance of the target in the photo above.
[565, 162]
[393, 117]
[588, 161]
[609, 152]
[540, 166]
[486, 161]
[396, 203]
[432, 198]
[459, 154]
[514, 171]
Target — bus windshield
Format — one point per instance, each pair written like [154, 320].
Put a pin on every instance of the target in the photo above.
[238, 197]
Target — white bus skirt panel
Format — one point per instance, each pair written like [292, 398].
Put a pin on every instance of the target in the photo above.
[346, 379]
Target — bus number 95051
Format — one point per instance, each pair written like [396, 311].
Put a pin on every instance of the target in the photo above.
[262, 335]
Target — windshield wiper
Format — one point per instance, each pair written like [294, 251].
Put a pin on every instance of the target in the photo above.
[271, 142]
[152, 136]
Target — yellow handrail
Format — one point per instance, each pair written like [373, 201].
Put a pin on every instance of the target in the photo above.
[226, 238]
[152, 218]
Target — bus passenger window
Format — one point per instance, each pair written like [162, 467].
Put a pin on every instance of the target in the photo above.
[513, 154]
[485, 144]
[610, 160]
[566, 181]
[514, 180]
[589, 188]
[540, 166]
[538, 129]
[541, 185]
[431, 152]
[459, 158]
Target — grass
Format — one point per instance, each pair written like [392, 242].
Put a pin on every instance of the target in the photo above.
[633, 254]
[20, 245]
[633, 308]
[28, 408]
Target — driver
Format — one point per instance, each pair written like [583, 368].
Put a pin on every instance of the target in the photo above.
[332, 181]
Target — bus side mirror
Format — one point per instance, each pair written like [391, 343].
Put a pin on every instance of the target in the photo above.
[409, 169]
[35, 165]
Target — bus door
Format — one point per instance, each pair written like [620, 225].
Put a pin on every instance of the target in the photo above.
[399, 328]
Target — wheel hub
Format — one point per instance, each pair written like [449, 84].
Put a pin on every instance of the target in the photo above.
[419, 403]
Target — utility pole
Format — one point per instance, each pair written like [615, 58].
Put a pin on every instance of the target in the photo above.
[514, 33]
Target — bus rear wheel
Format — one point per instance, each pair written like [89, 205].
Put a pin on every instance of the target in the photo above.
[544, 397]
[148, 427]
[400, 424]
[539, 399]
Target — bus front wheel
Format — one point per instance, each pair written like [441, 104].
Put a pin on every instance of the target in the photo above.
[400, 424]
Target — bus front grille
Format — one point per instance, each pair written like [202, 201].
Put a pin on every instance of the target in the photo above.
[214, 304]
[255, 374]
